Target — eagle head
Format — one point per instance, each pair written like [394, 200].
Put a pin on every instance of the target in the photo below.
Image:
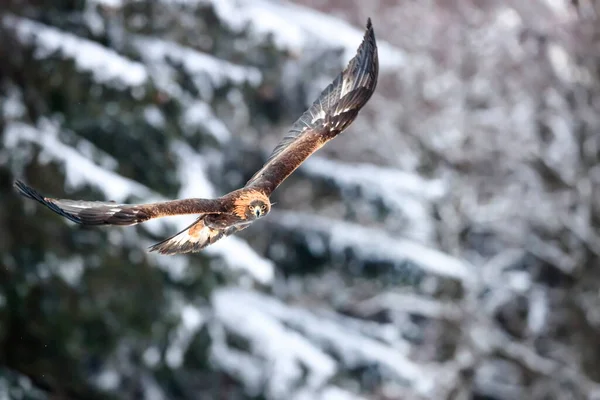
[257, 209]
[250, 204]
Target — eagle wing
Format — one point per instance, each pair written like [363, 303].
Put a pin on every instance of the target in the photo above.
[195, 237]
[333, 111]
[111, 213]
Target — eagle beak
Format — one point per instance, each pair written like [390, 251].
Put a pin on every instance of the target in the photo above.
[257, 212]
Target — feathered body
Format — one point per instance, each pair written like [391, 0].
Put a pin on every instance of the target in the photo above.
[333, 111]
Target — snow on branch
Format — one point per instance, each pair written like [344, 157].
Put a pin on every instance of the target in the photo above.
[410, 303]
[381, 182]
[106, 3]
[327, 393]
[192, 319]
[199, 114]
[295, 27]
[105, 65]
[218, 72]
[79, 168]
[373, 244]
[289, 358]
[269, 323]
[397, 190]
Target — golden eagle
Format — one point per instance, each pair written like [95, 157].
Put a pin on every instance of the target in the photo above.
[334, 110]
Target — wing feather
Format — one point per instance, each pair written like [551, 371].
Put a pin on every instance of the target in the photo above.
[333, 111]
[111, 213]
[194, 238]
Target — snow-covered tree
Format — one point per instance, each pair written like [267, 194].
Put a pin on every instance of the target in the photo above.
[444, 247]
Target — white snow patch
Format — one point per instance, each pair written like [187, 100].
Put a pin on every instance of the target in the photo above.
[411, 303]
[373, 244]
[12, 104]
[104, 64]
[108, 379]
[538, 311]
[154, 117]
[274, 327]
[107, 3]
[186, 2]
[327, 393]
[284, 350]
[198, 115]
[217, 71]
[245, 367]
[387, 183]
[151, 356]
[237, 254]
[192, 319]
[79, 169]
[398, 190]
[71, 270]
[295, 28]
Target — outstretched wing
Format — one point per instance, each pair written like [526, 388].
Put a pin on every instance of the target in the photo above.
[334, 110]
[194, 238]
[110, 213]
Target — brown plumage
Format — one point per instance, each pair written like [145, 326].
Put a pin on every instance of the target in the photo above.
[333, 111]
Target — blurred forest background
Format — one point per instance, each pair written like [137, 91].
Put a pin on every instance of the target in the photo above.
[445, 247]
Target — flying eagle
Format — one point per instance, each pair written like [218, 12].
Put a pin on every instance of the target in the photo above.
[334, 110]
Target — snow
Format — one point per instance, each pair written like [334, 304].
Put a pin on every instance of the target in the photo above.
[106, 3]
[292, 27]
[286, 352]
[199, 115]
[538, 311]
[373, 244]
[327, 393]
[238, 254]
[272, 328]
[108, 379]
[12, 104]
[385, 183]
[105, 65]
[79, 169]
[295, 28]
[410, 303]
[243, 366]
[151, 357]
[194, 182]
[192, 319]
[71, 270]
[196, 63]
[398, 190]
[154, 117]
